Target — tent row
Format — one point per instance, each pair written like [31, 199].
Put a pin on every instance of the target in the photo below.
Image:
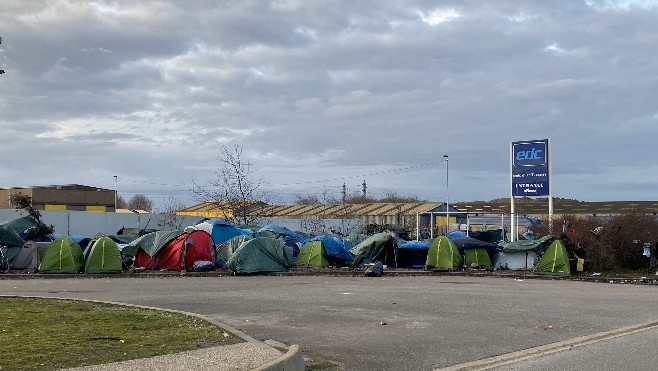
[213, 243]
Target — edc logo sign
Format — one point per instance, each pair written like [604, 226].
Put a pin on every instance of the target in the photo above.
[530, 168]
[530, 153]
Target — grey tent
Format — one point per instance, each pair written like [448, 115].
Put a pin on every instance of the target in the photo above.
[27, 257]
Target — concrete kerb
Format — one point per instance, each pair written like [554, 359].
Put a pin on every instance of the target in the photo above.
[292, 360]
[529, 275]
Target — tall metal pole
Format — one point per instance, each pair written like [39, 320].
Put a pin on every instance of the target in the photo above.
[511, 190]
[447, 198]
[115, 193]
[550, 187]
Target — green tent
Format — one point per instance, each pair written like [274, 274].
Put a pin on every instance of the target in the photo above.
[443, 255]
[150, 242]
[261, 254]
[104, 257]
[312, 254]
[478, 257]
[63, 255]
[9, 237]
[379, 246]
[356, 238]
[230, 246]
[555, 261]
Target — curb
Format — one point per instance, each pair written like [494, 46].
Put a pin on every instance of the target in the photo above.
[291, 361]
[542, 350]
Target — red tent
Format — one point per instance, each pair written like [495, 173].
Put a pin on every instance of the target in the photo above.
[179, 253]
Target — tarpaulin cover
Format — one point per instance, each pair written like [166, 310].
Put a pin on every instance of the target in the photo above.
[336, 247]
[151, 243]
[420, 245]
[9, 237]
[538, 246]
[464, 243]
[285, 232]
[220, 229]
[380, 246]
[23, 226]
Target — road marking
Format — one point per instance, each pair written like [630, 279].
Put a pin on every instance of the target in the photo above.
[542, 350]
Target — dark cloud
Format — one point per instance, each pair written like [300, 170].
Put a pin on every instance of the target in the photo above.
[326, 92]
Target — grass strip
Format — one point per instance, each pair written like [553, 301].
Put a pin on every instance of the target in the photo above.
[47, 334]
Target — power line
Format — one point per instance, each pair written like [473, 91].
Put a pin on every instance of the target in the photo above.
[356, 176]
[179, 191]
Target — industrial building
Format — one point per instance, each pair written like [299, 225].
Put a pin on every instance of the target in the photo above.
[63, 197]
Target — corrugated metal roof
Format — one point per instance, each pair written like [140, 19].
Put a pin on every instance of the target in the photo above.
[219, 209]
[347, 209]
[393, 209]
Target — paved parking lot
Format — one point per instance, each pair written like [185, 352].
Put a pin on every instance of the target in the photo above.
[387, 323]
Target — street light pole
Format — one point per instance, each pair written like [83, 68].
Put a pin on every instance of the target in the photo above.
[447, 198]
[115, 193]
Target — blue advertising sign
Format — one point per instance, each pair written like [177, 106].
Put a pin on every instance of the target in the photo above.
[530, 153]
[530, 168]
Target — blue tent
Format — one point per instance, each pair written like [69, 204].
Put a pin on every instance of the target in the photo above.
[221, 230]
[336, 246]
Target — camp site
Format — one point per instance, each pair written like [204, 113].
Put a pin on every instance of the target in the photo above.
[215, 245]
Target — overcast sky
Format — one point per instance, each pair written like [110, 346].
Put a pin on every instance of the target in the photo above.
[321, 93]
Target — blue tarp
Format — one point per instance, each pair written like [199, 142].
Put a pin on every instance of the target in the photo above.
[455, 234]
[419, 245]
[336, 246]
[287, 233]
[55, 236]
[412, 254]
[472, 243]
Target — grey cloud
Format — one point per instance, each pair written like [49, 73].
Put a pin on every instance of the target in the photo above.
[346, 87]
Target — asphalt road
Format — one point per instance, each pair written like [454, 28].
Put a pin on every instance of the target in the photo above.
[388, 323]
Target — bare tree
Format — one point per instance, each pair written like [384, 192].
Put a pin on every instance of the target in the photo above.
[235, 192]
[391, 196]
[307, 200]
[167, 218]
[140, 202]
[121, 203]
